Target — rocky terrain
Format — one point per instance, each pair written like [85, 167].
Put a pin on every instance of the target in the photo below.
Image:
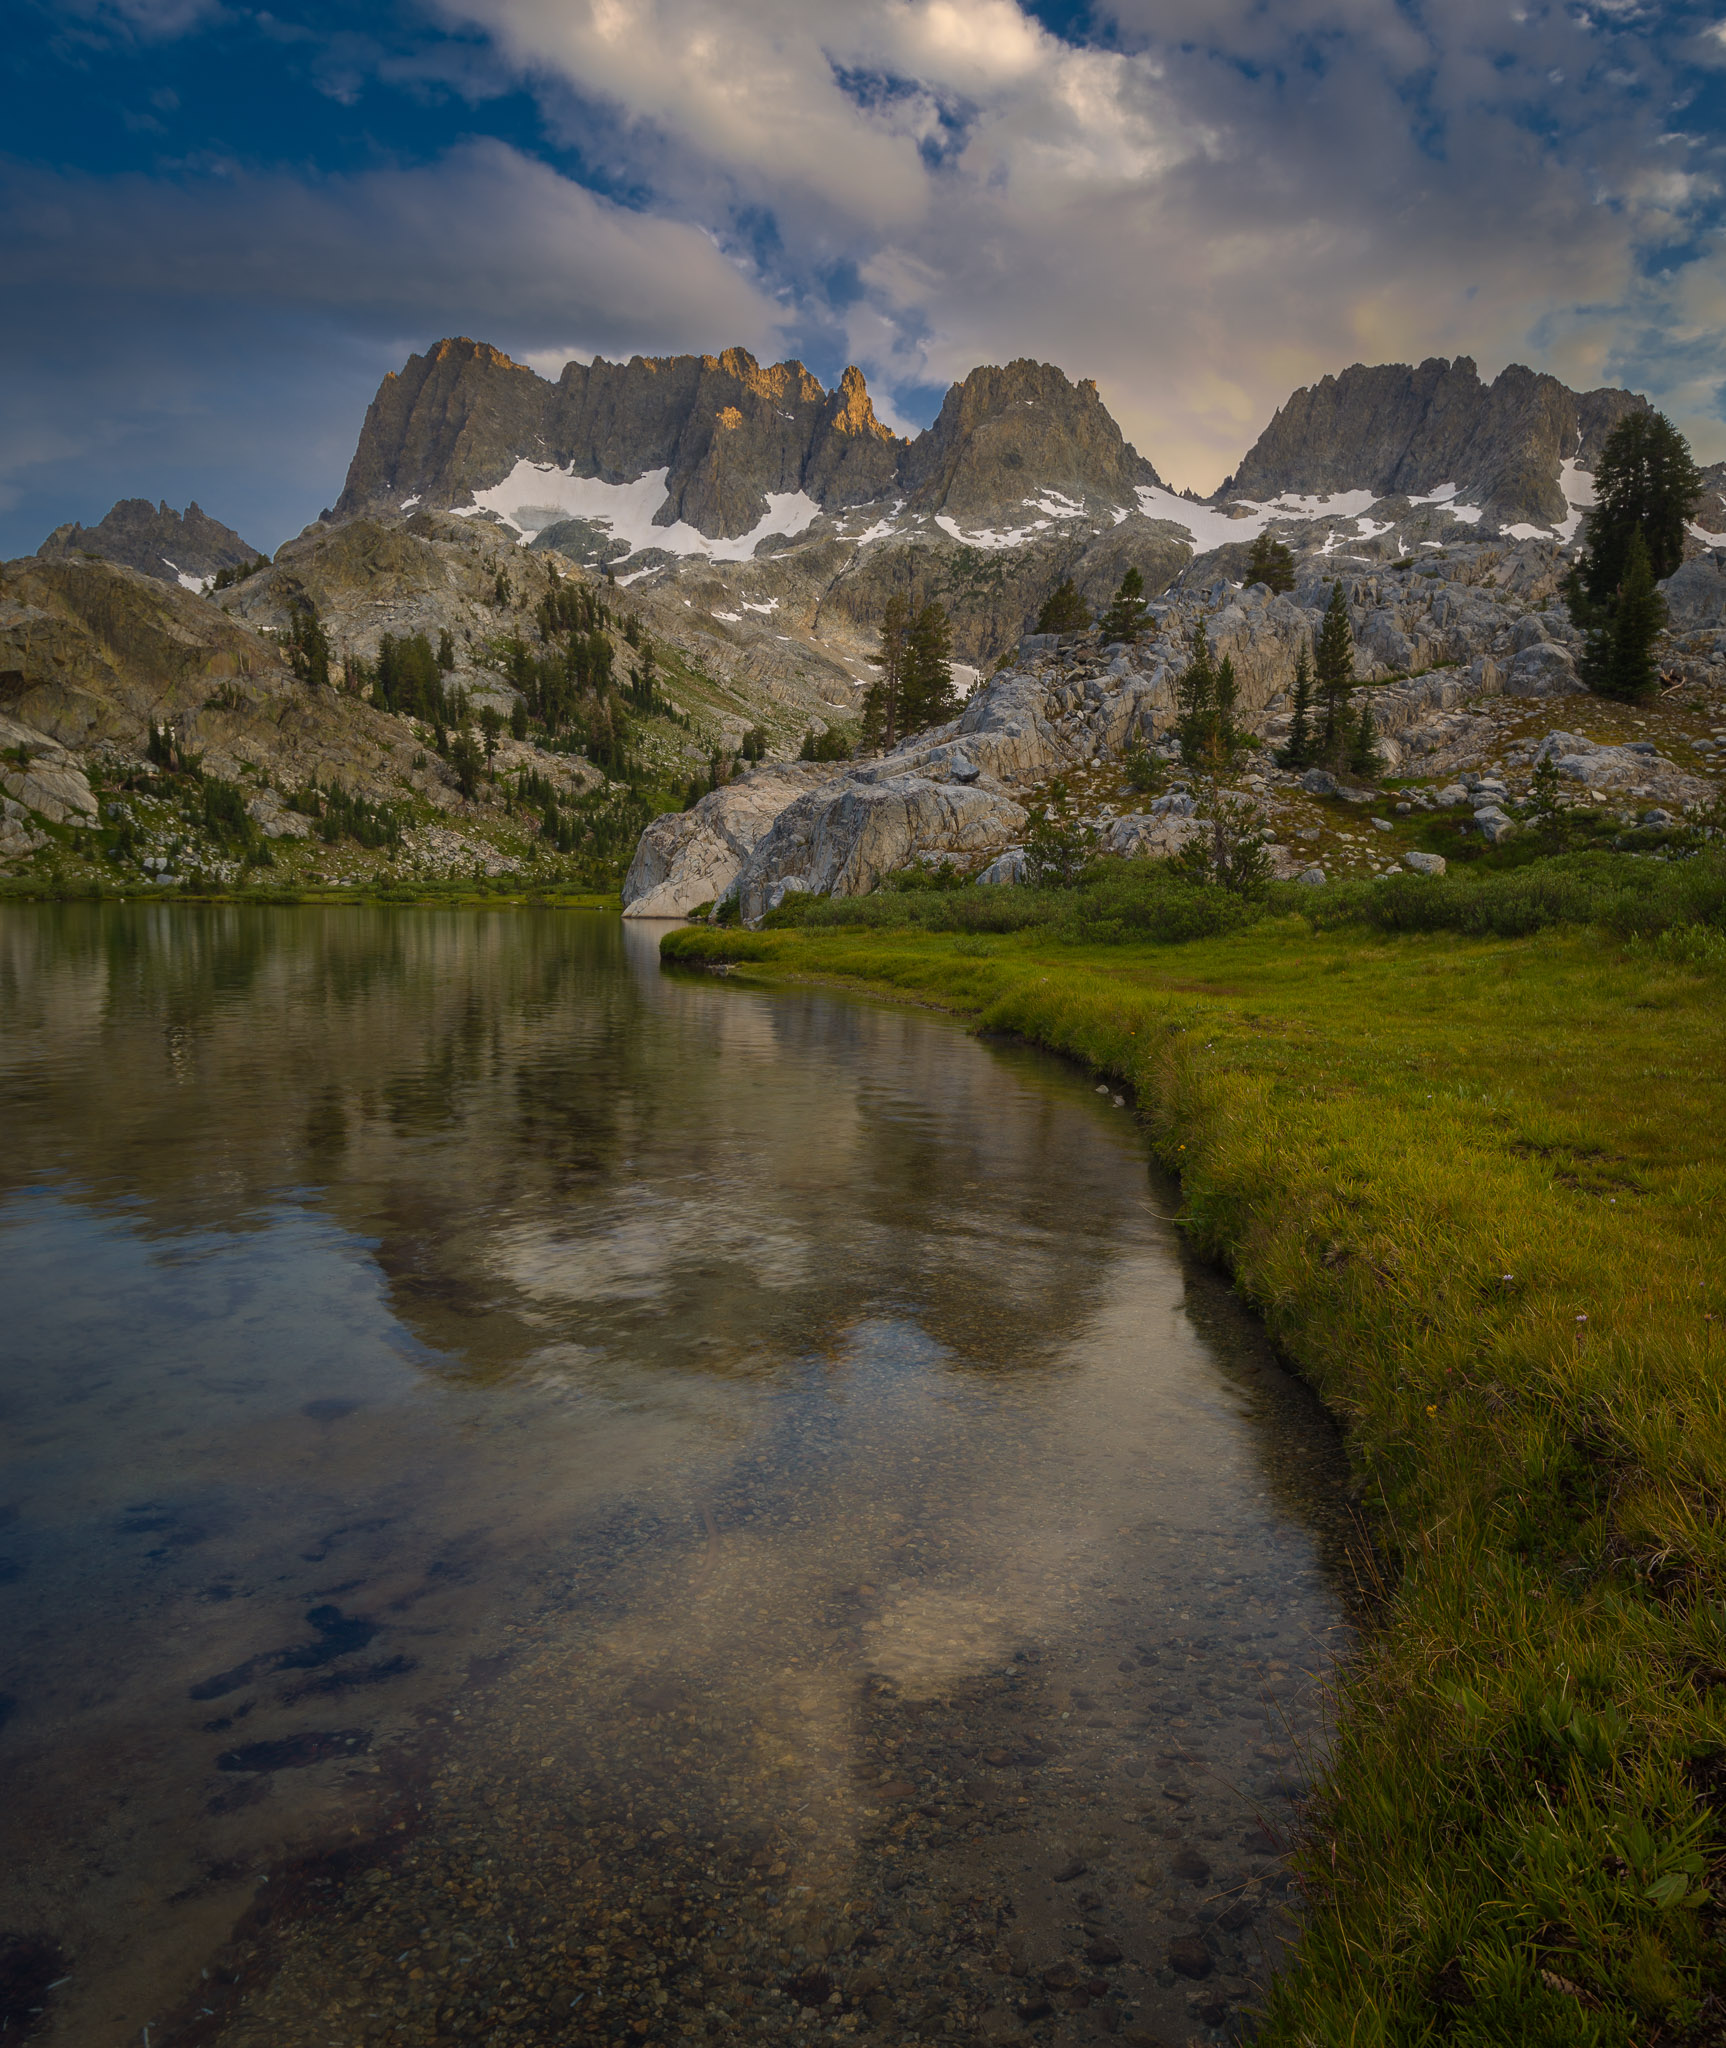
[751, 526]
[186, 548]
[1467, 660]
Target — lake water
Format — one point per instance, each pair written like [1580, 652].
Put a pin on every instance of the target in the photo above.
[543, 1501]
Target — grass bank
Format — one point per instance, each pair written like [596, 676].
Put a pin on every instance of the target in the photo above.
[1474, 1184]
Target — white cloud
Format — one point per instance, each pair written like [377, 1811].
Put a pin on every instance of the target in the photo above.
[1236, 200]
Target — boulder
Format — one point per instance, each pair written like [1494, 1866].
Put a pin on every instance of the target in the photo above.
[1005, 868]
[1543, 669]
[1311, 878]
[692, 857]
[1154, 836]
[1696, 594]
[842, 838]
[1492, 824]
[1424, 863]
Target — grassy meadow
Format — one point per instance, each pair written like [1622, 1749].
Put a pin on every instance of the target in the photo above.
[1470, 1166]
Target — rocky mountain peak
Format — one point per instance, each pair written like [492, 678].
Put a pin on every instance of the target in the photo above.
[174, 547]
[1398, 430]
[1010, 432]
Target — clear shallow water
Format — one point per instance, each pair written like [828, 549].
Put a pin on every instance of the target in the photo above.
[542, 1501]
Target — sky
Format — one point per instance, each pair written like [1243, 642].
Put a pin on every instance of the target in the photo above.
[220, 225]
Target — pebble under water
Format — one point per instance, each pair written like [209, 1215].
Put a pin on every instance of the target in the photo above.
[543, 1501]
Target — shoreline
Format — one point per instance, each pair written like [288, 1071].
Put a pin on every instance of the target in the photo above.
[1487, 1231]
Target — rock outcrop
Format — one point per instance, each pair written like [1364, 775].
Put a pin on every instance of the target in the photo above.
[688, 858]
[174, 547]
[1408, 431]
[730, 435]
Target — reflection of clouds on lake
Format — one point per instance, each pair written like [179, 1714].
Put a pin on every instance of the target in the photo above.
[655, 1245]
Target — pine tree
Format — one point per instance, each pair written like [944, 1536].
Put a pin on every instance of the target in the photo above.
[1298, 752]
[445, 651]
[1334, 666]
[1064, 611]
[1226, 738]
[1646, 483]
[1619, 658]
[1363, 744]
[926, 689]
[1270, 563]
[1126, 613]
[1196, 698]
[881, 707]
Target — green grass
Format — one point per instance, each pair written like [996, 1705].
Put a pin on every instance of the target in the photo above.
[1475, 1186]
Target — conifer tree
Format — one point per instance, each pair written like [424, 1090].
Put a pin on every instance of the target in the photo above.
[1225, 734]
[1645, 483]
[1334, 666]
[1363, 744]
[1618, 660]
[1298, 752]
[1064, 611]
[1196, 699]
[445, 650]
[1126, 612]
[1271, 563]
[881, 709]
[926, 687]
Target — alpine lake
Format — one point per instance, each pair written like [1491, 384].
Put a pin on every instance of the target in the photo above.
[544, 1500]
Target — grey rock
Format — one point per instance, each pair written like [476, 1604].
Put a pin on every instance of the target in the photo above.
[1311, 878]
[1005, 868]
[1543, 670]
[962, 769]
[1319, 782]
[1037, 646]
[691, 857]
[841, 839]
[1696, 594]
[1493, 825]
[1177, 804]
[1452, 796]
[1424, 863]
[1155, 836]
[1383, 825]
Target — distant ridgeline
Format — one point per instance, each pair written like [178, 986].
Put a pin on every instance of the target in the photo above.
[189, 548]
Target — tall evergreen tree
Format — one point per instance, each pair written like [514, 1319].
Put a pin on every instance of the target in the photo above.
[1126, 612]
[881, 707]
[1646, 483]
[1298, 751]
[1334, 673]
[1269, 562]
[1196, 701]
[1363, 755]
[1225, 734]
[1064, 611]
[926, 689]
[1618, 660]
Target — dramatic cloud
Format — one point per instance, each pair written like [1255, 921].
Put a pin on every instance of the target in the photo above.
[1233, 199]
[1201, 203]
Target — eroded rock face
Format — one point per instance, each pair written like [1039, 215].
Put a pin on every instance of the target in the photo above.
[692, 857]
[1403, 430]
[48, 780]
[173, 547]
[1637, 767]
[841, 839]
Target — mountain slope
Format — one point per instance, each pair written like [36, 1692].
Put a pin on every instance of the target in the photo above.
[174, 547]
[1398, 431]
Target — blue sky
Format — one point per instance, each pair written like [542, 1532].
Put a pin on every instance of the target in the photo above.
[223, 223]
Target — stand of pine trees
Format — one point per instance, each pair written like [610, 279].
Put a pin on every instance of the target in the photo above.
[915, 687]
[1064, 611]
[1205, 696]
[1327, 731]
[1126, 612]
[1646, 487]
[1270, 562]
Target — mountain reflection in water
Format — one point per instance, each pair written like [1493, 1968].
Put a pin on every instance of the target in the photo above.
[543, 1501]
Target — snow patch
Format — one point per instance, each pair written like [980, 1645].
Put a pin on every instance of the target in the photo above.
[409, 503]
[198, 585]
[730, 618]
[965, 678]
[1701, 533]
[767, 610]
[536, 495]
[987, 537]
